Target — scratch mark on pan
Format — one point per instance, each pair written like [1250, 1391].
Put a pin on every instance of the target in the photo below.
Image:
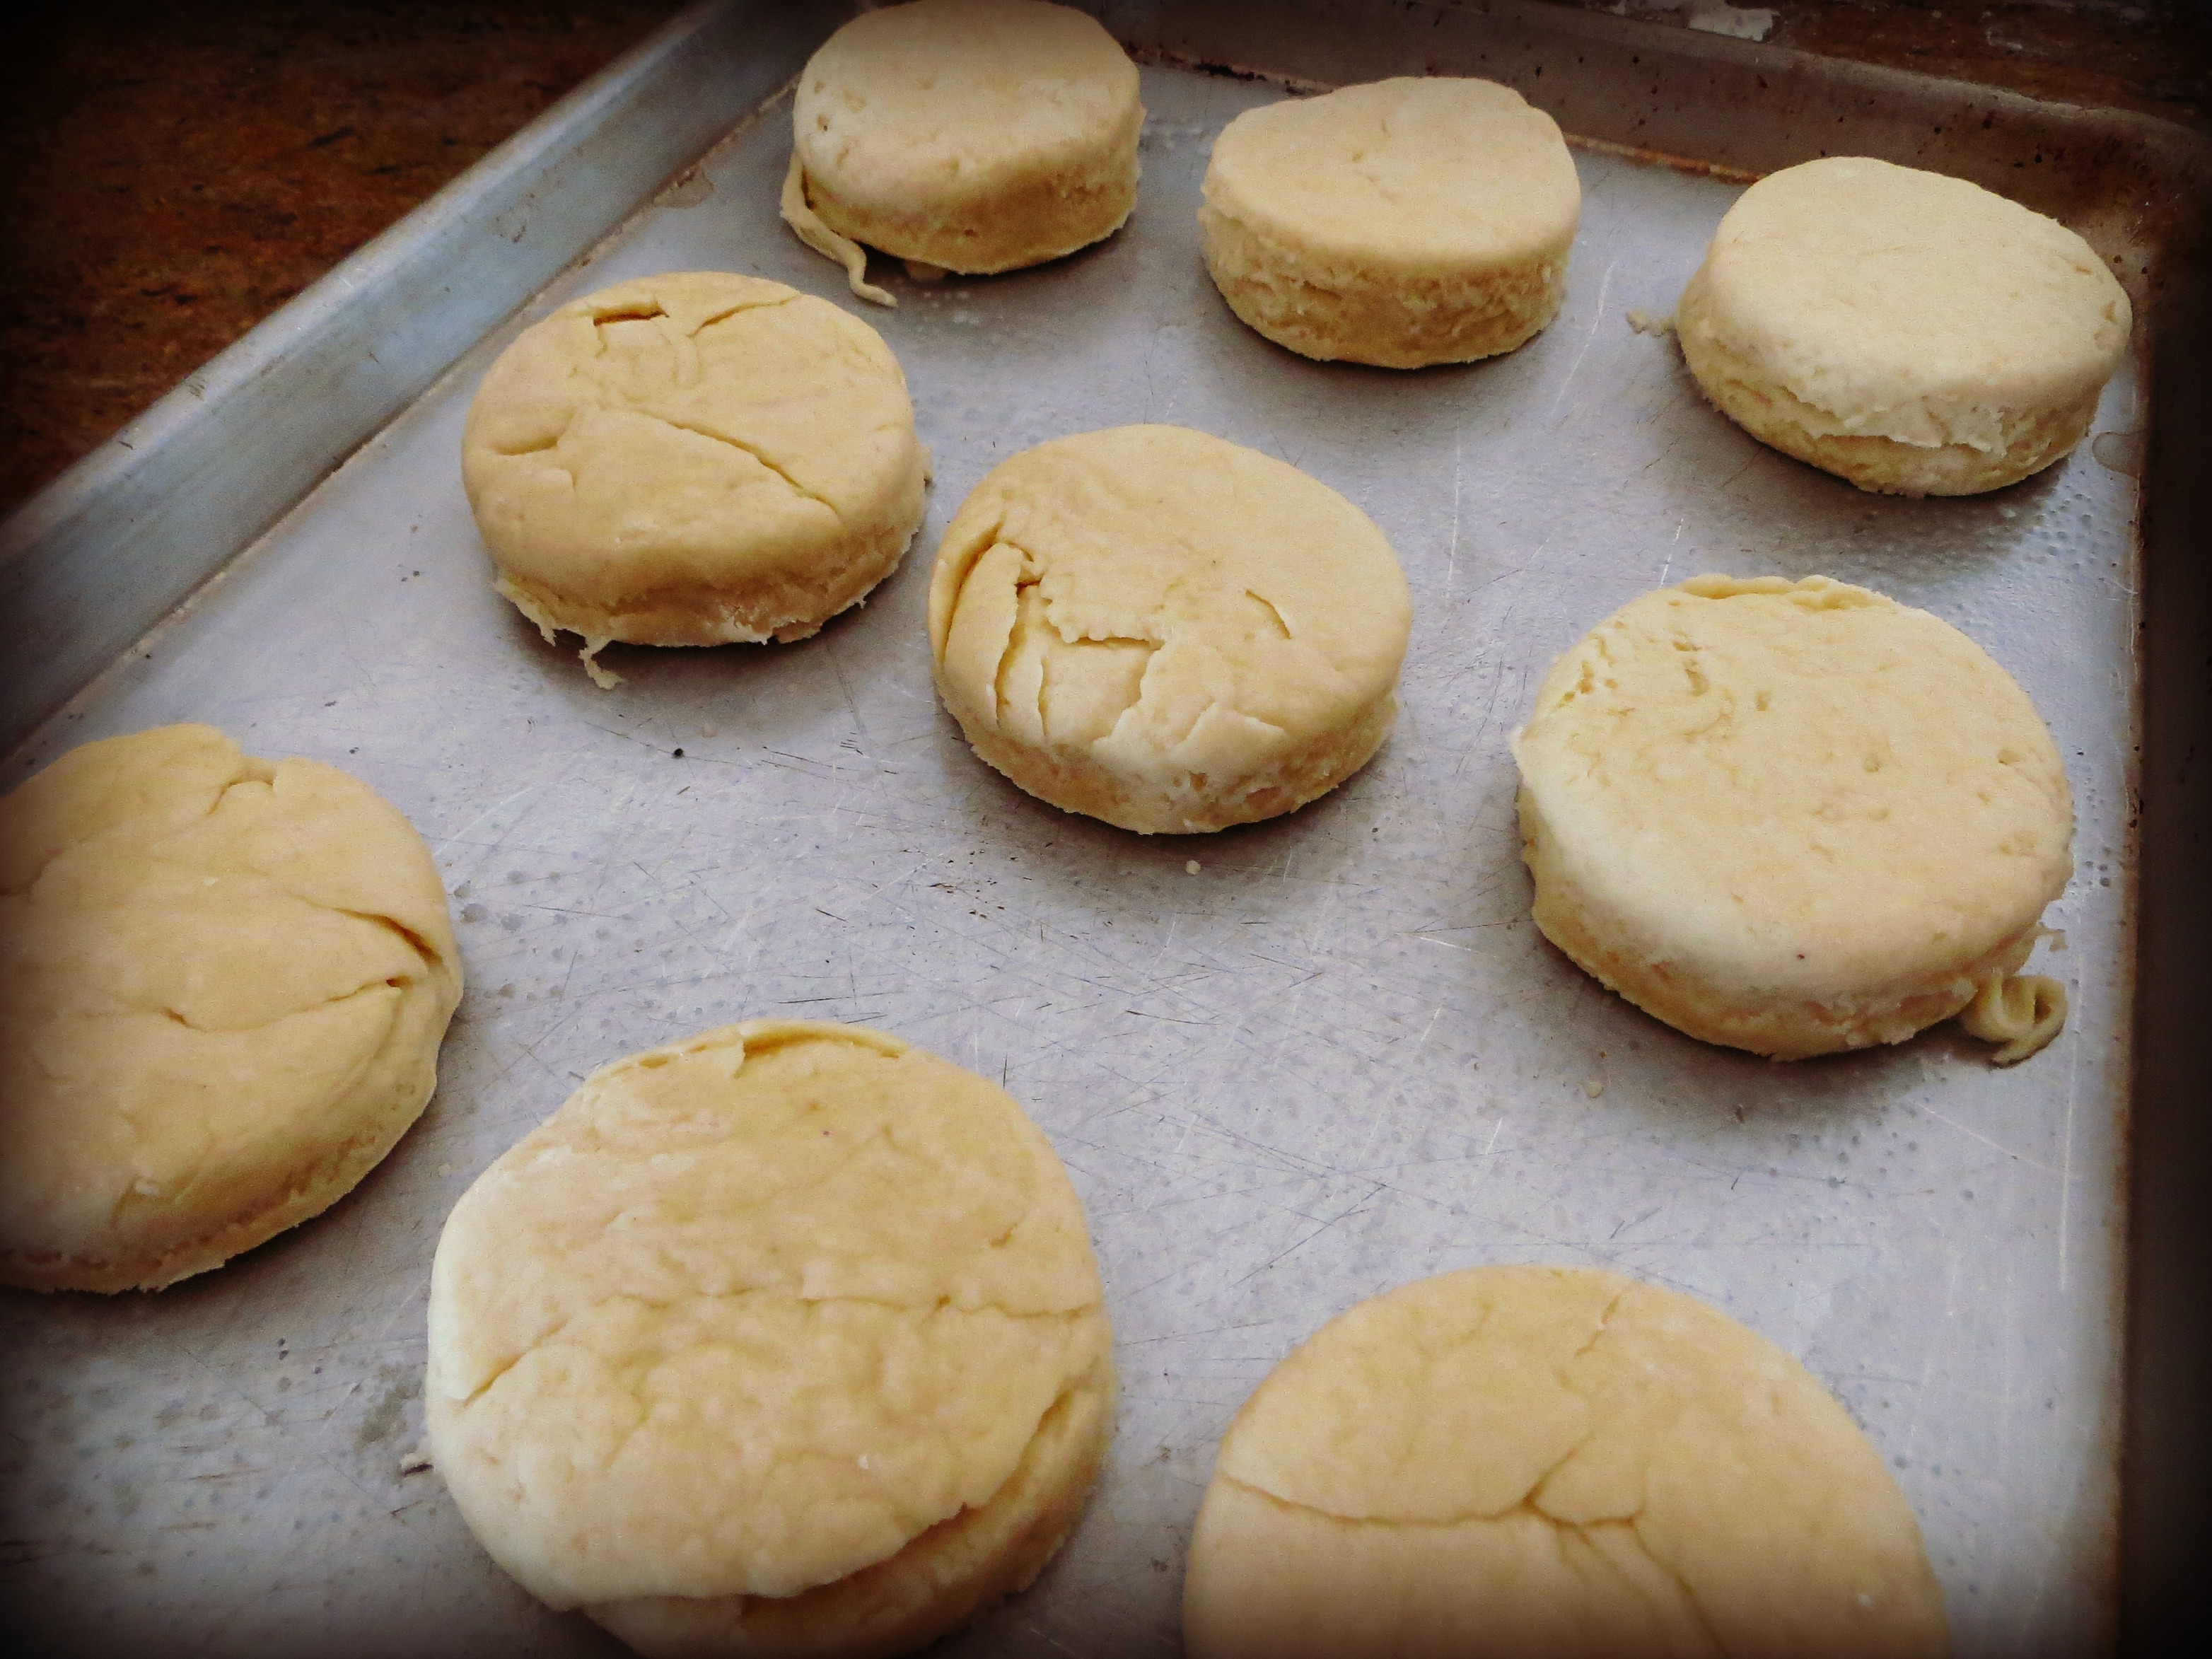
[1975, 1134]
[1430, 1027]
[1483, 1164]
[2066, 1160]
[1928, 1355]
[496, 806]
[1151, 971]
[1299, 1242]
[1604, 287]
[1451, 553]
[868, 749]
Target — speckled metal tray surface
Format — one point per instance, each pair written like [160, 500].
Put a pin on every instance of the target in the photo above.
[1335, 1057]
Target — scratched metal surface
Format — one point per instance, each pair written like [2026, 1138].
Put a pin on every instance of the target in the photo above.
[1336, 1058]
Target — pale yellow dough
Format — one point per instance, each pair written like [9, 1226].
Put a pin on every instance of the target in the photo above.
[1165, 630]
[788, 1339]
[222, 985]
[1554, 1463]
[974, 136]
[693, 460]
[1424, 220]
[1793, 818]
[1913, 333]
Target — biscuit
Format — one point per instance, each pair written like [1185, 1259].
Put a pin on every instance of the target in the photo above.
[786, 1339]
[1165, 630]
[1531, 1461]
[1793, 818]
[1913, 333]
[971, 135]
[1424, 220]
[693, 460]
[222, 985]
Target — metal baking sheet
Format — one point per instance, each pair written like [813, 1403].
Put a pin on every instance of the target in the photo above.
[1336, 1057]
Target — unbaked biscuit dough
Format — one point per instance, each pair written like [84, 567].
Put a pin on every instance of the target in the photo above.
[1424, 220]
[1793, 818]
[1165, 630]
[787, 1338]
[693, 460]
[1510, 1462]
[1913, 333]
[222, 985]
[970, 136]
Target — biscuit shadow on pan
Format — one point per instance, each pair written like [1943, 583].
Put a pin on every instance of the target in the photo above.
[1792, 519]
[287, 1271]
[1320, 403]
[889, 271]
[325, 1248]
[1657, 1071]
[762, 692]
[1320, 839]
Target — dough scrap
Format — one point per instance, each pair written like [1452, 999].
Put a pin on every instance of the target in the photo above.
[1541, 1461]
[974, 136]
[1410, 222]
[2022, 1013]
[1913, 333]
[694, 458]
[223, 981]
[1165, 630]
[807, 225]
[787, 1337]
[1793, 818]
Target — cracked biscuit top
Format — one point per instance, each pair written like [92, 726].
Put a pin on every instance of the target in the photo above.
[1422, 176]
[1532, 1461]
[222, 985]
[1406, 222]
[693, 459]
[1165, 630]
[753, 1312]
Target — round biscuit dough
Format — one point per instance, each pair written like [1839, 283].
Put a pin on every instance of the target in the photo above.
[1793, 818]
[971, 135]
[788, 1339]
[1913, 333]
[693, 459]
[1424, 220]
[1526, 1461]
[1165, 630]
[222, 985]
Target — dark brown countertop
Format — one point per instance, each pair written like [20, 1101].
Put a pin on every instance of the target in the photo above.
[177, 170]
